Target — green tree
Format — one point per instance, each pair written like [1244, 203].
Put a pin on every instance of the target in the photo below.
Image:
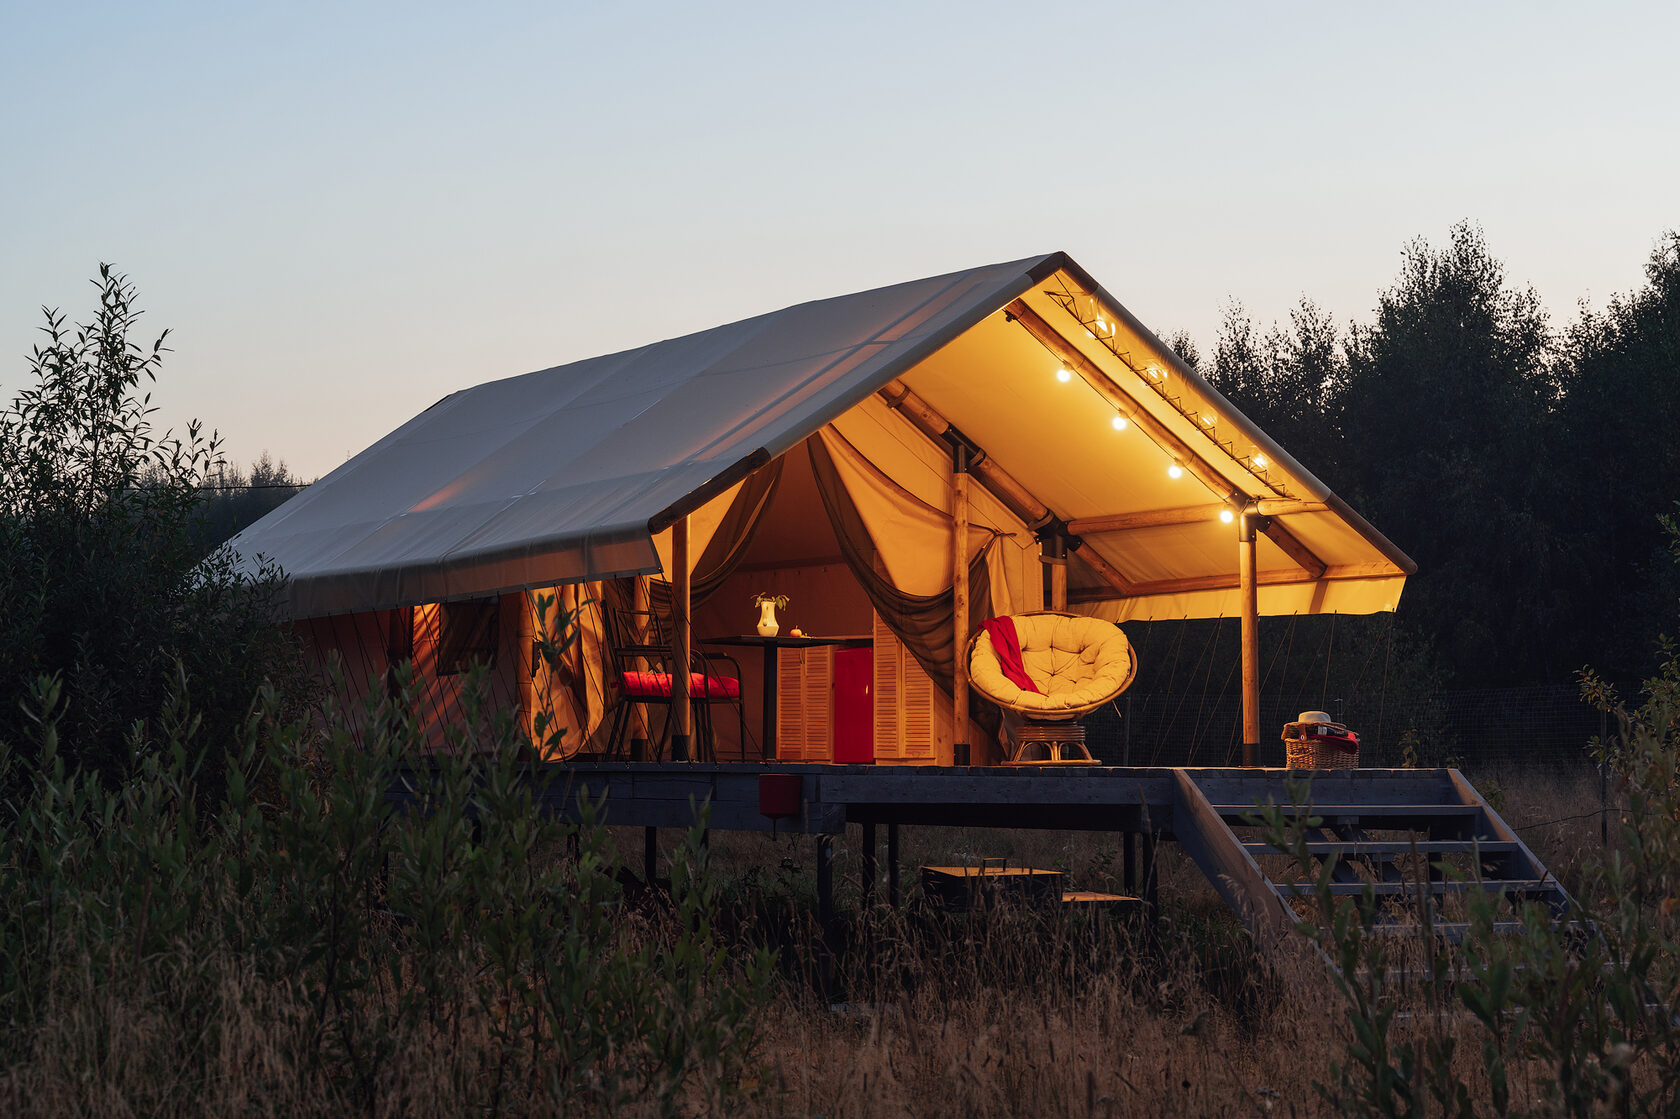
[1619, 462]
[1446, 424]
[102, 578]
[233, 500]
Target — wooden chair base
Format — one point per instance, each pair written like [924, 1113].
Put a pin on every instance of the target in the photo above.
[1050, 744]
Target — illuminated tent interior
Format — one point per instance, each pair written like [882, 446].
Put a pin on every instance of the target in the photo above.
[823, 452]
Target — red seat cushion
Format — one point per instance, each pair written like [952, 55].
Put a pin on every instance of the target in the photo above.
[652, 685]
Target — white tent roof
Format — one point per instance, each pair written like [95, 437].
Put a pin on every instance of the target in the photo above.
[566, 474]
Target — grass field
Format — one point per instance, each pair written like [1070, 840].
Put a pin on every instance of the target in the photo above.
[1006, 1012]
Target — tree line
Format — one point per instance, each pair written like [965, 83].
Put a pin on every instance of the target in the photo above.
[1525, 466]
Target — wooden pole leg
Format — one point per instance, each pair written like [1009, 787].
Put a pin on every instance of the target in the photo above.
[868, 868]
[650, 855]
[892, 863]
[825, 915]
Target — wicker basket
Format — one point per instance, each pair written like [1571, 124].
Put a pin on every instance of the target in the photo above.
[1320, 746]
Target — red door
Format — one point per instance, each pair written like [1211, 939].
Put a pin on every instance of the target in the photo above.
[854, 709]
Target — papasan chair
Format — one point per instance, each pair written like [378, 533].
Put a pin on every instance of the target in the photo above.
[1068, 666]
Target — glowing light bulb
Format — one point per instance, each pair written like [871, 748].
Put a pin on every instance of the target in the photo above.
[1119, 423]
[1102, 324]
[1226, 516]
[1154, 372]
[1175, 471]
[1260, 462]
[1064, 374]
[1207, 419]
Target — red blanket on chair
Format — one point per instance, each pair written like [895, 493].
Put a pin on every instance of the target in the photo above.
[1007, 646]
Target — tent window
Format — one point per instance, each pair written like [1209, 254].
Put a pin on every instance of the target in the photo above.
[467, 635]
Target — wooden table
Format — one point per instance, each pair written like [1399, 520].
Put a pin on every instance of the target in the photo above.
[768, 647]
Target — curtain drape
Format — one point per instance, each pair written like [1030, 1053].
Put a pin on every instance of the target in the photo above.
[922, 622]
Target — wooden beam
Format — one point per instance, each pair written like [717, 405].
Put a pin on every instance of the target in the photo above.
[1284, 507]
[1105, 570]
[1170, 442]
[1263, 578]
[1250, 594]
[682, 712]
[1185, 515]
[1147, 518]
[1293, 548]
[998, 482]
[959, 595]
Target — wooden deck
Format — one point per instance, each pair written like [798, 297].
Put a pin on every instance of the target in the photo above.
[1200, 809]
[1094, 798]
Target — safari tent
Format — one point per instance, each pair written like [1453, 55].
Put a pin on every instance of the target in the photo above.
[901, 463]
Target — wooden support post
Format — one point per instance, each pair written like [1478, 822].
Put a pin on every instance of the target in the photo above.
[527, 667]
[682, 711]
[1128, 864]
[959, 601]
[825, 914]
[892, 863]
[1151, 902]
[650, 855]
[1053, 554]
[868, 868]
[1249, 590]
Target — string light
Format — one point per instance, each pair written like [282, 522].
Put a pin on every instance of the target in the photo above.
[1064, 374]
[1226, 516]
[1175, 471]
[1119, 423]
[1098, 327]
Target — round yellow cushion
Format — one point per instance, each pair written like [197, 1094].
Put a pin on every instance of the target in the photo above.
[1076, 663]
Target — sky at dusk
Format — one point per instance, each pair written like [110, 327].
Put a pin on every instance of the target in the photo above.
[346, 211]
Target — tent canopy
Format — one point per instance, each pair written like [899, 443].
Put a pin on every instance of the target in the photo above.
[1076, 411]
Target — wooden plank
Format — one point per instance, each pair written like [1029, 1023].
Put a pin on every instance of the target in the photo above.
[1523, 863]
[1060, 788]
[1361, 811]
[1385, 847]
[1514, 887]
[1232, 870]
[1335, 786]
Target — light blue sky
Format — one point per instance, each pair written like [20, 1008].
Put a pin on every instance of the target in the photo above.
[346, 211]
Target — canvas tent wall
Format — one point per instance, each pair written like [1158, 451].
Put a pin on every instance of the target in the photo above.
[1083, 423]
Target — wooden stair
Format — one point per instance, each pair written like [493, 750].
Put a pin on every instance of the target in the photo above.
[1390, 832]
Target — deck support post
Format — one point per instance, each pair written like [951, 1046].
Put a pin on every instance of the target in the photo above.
[682, 710]
[1248, 588]
[868, 867]
[825, 913]
[960, 461]
[892, 863]
[650, 855]
[1128, 863]
[1151, 901]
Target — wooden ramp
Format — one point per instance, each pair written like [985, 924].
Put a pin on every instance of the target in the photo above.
[1388, 830]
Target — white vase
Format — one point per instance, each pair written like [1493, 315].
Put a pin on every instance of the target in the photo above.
[767, 624]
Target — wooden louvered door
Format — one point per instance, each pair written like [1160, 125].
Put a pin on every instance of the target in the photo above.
[909, 720]
[805, 704]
